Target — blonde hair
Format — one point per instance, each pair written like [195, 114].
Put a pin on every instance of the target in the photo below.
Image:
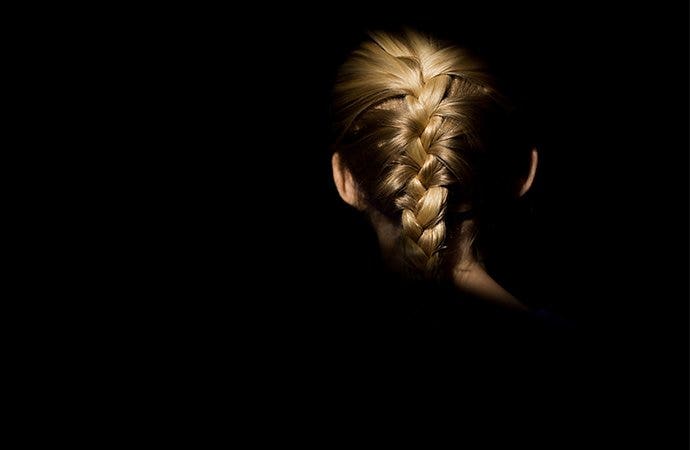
[411, 118]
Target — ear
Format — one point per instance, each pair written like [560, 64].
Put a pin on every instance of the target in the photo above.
[527, 180]
[347, 188]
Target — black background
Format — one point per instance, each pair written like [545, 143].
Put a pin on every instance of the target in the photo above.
[239, 222]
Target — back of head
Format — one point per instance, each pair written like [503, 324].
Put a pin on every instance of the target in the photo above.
[428, 141]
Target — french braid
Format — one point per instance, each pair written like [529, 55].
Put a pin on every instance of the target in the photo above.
[405, 105]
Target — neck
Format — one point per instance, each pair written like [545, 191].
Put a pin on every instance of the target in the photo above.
[471, 278]
[388, 235]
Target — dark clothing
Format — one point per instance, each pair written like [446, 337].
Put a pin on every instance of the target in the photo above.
[383, 348]
[356, 352]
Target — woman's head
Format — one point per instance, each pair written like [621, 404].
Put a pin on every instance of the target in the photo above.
[427, 146]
